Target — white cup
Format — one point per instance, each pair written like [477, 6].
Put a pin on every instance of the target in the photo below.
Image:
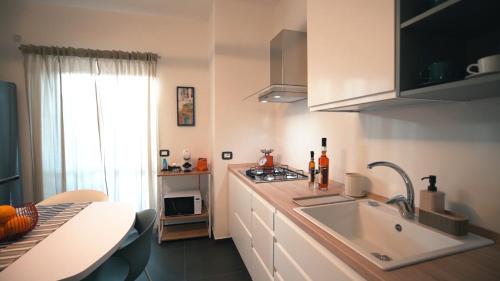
[486, 64]
[355, 185]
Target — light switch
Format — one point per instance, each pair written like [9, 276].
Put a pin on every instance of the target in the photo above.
[227, 155]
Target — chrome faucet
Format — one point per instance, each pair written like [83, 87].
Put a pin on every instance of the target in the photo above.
[406, 205]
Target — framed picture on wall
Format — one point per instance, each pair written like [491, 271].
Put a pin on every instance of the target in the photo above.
[185, 106]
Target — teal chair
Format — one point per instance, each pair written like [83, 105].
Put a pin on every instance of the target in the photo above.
[128, 262]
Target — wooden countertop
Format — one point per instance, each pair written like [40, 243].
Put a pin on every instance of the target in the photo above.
[479, 264]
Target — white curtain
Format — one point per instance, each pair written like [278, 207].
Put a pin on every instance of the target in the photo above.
[93, 125]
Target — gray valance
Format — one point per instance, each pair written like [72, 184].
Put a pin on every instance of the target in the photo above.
[80, 52]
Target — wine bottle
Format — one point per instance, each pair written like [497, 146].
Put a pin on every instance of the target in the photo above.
[312, 168]
[323, 165]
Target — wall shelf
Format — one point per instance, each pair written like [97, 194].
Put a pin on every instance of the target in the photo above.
[464, 90]
[459, 17]
[184, 226]
[176, 174]
[186, 218]
[184, 231]
[428, 14]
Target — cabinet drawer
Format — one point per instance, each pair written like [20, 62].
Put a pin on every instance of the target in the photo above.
[264, 210]
[259, 270]
[243, 241]
[262, 241]
[286, 268]
[241, 195]
[315, 261]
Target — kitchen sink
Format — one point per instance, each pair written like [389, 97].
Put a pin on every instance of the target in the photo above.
[379, 233]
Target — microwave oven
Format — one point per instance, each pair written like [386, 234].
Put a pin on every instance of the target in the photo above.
[186, 202]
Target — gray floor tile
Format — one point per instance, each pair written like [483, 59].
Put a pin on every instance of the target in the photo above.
[207, 258]
[235, 276]
[196, 260]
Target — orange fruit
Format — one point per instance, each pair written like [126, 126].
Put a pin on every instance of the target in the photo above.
[18, 224]
[6, 212]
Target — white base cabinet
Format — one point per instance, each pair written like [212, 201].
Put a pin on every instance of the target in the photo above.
[251, 223]
[262, 240]
[240, 197]
[286, 266]
[298, 254]
[273, 247]
[259, 271]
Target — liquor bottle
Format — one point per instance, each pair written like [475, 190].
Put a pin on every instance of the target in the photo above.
[323, 165]
[312, 168]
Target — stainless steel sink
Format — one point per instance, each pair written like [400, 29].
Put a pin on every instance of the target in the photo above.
[378, 232]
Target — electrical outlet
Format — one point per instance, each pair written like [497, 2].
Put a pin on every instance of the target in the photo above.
[227, 155]
[164, 152]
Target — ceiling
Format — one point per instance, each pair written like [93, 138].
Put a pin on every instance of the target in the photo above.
[198, 9]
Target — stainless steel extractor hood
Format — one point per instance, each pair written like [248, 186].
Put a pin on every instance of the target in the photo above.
[288, 56]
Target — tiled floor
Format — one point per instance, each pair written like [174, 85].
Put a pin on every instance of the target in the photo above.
[196, 260]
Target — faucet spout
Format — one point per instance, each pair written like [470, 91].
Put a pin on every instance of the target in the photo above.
[408, 208]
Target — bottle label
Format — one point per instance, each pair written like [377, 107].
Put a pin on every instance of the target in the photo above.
[323, 175]
[312, 173]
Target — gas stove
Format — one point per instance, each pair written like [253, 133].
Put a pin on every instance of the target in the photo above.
[259, 174]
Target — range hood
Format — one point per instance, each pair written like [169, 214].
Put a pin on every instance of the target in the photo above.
[288, 73]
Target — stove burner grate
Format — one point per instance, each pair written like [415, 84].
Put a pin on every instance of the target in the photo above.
[274, 174]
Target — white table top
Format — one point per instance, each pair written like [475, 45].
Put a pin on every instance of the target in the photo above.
[76, 248]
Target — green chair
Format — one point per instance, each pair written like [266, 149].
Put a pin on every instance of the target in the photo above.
[128, 262]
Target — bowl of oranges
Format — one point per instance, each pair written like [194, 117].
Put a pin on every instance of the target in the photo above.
[16, 222]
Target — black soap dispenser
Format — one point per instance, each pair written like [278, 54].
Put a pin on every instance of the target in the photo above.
[432, 199]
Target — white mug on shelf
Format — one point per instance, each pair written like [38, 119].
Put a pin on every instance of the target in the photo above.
[355, 185]
[485, 65]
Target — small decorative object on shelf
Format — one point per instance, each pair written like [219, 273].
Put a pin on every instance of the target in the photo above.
[202, 164]
[164, 153]
[16, 222]
[187, 166]
[174, 168]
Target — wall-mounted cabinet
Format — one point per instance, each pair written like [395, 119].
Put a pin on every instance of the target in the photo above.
[350, 51]
[439, 40]
[358, 49]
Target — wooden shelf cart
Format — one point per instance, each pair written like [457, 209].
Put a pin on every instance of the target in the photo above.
[184, 226]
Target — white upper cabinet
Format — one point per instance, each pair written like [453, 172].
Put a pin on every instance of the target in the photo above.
[351, 52]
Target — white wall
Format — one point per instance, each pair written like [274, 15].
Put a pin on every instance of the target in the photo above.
[182, 43]
[289, 14]
[458, 142]
[239, 67]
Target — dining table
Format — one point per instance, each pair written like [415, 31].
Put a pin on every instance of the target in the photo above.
[77, 247]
